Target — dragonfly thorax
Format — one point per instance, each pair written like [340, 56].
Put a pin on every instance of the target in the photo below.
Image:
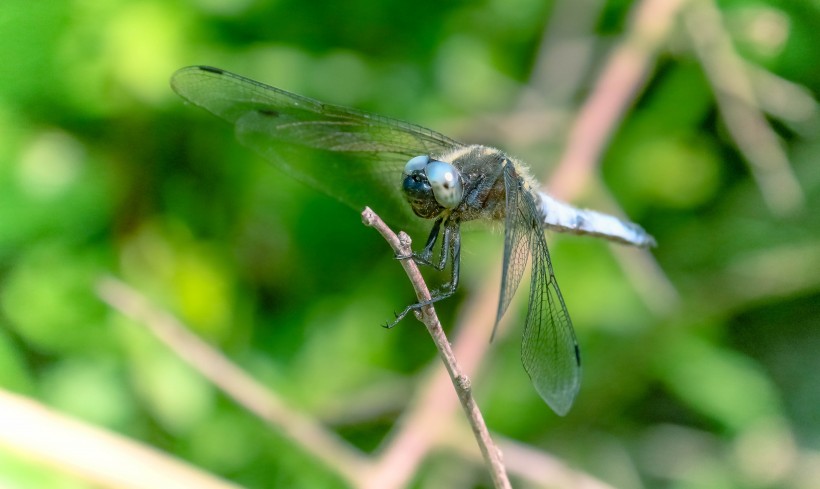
[481, 168]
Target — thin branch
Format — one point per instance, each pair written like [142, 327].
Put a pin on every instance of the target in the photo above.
[622, 78]
[783, 99]
[461, 383]
[426, 421]
[103, 458]
[311, 436]
[737, 102]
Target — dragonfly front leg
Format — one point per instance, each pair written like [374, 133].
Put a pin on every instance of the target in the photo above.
[451, 246]
[425, 256]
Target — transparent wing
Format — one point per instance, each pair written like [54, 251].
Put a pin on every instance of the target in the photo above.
[549, 350]
[352, 155]
[517, 241]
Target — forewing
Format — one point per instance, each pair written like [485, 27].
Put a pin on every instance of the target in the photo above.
[549, 350]
[352, 155]
[517, 240]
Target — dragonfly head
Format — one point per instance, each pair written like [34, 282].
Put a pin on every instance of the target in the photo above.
[431, 186]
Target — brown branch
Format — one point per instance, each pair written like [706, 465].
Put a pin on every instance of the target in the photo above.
[461, 383]
[564, 56]
[103, 458]
[621, 80]
[738, 104]
[426, 421]
[783, 99]
[312, 437]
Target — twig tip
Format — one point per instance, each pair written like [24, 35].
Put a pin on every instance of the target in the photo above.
[368, 217]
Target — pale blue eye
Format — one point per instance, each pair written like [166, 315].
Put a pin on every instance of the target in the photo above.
[415, 164]
[446, 183]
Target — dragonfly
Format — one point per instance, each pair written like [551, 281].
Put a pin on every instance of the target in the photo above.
[413, 172]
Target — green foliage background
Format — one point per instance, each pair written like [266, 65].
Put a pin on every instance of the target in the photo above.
[103, 170]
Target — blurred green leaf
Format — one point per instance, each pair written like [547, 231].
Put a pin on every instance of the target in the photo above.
[716, 382]
[49, 300]
[177, 397]
[14, 374]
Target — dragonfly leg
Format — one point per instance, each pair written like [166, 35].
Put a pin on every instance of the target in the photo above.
[450, 230]
[451, 245]
[425, 256]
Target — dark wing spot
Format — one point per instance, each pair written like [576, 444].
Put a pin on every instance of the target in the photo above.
[577, 355]
[268, 112]
[212, 70]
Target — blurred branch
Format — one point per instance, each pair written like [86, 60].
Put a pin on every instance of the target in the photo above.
[740, 109]
[775, 272]
[544, 469]
[428, 420]
[424, 423]
[644, 272]
[534, 466]
[621, 80]
[313, 438]
[100, 457]
[461, 383]
[788, 101]
[565, 54]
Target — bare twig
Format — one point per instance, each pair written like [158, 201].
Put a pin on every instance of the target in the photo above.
[103, 458]
[425, 422]
[323, 444]
[622, 78]
[461, 383]
[738, 104]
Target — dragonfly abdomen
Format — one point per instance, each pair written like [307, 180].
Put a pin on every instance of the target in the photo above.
[562, 217]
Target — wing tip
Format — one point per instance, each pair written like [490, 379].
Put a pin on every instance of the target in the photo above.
[561, 405]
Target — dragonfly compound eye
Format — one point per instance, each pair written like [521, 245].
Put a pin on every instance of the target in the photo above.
[416, 164]
[446, 183]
